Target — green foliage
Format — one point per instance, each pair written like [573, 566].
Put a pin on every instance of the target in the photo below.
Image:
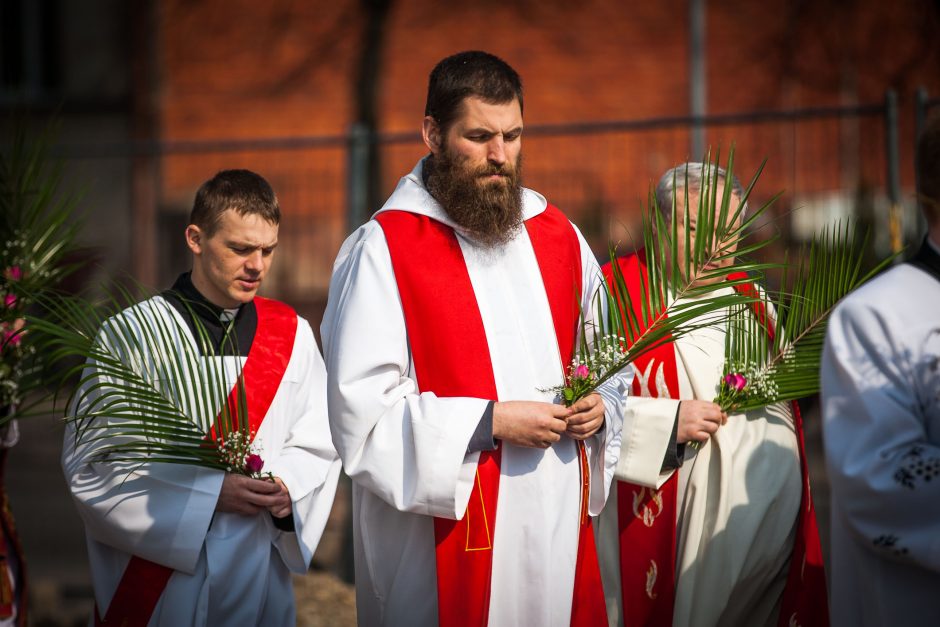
[39, 232]
[784, 365]
[679, 291]
[148, 389]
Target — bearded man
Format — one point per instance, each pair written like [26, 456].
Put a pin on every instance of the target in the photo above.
[450, 313]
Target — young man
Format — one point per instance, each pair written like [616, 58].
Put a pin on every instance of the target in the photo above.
[450, 313]
[881, 430]
[182, 545]
[723, 534]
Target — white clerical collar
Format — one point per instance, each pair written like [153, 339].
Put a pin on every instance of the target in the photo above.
[411, 195]
[227, 315]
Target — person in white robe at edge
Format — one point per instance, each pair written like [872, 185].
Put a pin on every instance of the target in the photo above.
[230, 541]
[881, 431]
[413, 454]
[738, 494]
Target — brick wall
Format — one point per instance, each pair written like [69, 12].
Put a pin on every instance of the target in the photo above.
[241, 69]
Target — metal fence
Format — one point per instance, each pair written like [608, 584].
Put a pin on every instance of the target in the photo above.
[829, 162]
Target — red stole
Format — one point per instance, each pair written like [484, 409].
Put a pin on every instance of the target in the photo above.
[143, 581]
[451, 358]
[647, 517]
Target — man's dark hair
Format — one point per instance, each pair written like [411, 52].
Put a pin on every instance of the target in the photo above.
[928, 169]
[240, 190]
[465, 74]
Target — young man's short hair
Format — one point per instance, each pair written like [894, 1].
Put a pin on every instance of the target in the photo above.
[239, 190]
[466, 74]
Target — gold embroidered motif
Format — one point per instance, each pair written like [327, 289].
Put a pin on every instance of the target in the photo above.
[643, 378]
[661, 390]
[651, 579]
[478, 489]
[645, 512]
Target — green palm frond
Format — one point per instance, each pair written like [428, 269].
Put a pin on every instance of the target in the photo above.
[39, 232]
[671, 300]
[783, 365]
[36, 214]
[148, 389]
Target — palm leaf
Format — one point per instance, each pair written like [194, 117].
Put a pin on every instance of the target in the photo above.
[148, 389]
[669, 301]
[39, 233]
[784, 365]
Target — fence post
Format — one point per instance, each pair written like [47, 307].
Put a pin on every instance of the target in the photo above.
[698, 87]
[357, 176]
[893, 171]
[920, 120]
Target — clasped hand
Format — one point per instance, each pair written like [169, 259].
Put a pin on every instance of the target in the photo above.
[246, 496]
[698, 421]
[539, 425]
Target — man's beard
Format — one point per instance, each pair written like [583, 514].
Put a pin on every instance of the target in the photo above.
[491, 211]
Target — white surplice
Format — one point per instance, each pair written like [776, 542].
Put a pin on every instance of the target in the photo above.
[739, 495]
[881, 430]
[406, 450]
[230, 569]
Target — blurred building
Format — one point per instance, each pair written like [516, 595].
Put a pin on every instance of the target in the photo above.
[157, 96]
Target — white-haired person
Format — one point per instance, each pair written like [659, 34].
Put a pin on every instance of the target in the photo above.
[721, 533]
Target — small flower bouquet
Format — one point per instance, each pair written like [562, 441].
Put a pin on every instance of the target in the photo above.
[590, 369]
[241, 456]
[773, 347]
[732, 386]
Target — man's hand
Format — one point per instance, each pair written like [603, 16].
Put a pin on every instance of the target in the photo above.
[588, 417]
[247, 496]
[698, 420]
[529, 423]
[285, 508]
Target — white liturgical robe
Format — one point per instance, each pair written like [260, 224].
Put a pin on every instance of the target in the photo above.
[407, 450]
[228, 569]
[881, 430]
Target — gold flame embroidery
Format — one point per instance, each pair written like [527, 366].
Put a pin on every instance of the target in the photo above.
[644, 512]
[651, 574]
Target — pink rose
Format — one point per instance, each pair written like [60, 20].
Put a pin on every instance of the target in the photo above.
[736, 381]
[582, 372]
[9, 301]
[14, 273]
[254, 463]
[9, 335]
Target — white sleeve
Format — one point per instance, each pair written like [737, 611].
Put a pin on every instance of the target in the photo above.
[604, 447]
[884, 471]
[407, 447]
[160, 512]
[647, 435]
[308, 464]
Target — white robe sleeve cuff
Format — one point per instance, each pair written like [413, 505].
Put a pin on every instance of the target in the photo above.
[647, 434]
